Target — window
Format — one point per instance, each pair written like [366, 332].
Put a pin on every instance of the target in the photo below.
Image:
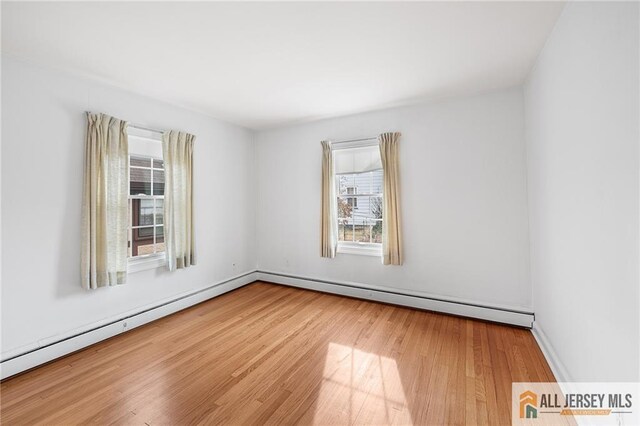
[146, 205]
[146, 202]
[352, 201]
[359, 192]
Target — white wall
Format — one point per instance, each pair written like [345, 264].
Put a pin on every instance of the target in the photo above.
[464, 203]
[582, 127]
[464, 176]
[43, 132]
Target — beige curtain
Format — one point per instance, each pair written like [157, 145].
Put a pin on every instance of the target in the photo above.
[391, 235]
[179, 235]
[329, 208]
[105, 202]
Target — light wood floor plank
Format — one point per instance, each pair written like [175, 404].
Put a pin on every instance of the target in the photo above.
[269, 354]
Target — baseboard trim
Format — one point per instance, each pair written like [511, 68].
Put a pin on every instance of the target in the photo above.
[557, 367]
[49, 350]
[465, 309]
[30, 358]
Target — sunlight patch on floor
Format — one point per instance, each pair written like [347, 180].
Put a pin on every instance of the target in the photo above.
[360, 388]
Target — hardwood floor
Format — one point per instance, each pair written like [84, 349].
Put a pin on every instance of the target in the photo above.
[273, 354]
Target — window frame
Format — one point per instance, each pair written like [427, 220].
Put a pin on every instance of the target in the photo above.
[356, 247]
[151, 260]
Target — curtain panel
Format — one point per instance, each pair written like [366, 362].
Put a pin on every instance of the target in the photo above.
[391, 235]
[105, 202]
[177, 149]
[328, 203]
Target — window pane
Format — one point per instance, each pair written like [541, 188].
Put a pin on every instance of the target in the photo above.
[375, 218]
[362, 183]
[159, 212]
[158, 182]
[376, 232]
[145, 232]
[140, 161]
[345, 209]
[158, 164]
[345, 232]
[376, 182]
[140, 181]
[159, 239]
[345, 223]
[141, 212]
[375, 207]
[361, 232]
[145, 213]
[141, 241]
[345, 184]
[361, 228]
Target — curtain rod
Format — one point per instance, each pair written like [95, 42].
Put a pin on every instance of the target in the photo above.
[149, 129]
[355, 140]
[140, 127]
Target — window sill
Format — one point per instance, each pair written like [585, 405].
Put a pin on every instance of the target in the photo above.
[361, 249]
[146, 263]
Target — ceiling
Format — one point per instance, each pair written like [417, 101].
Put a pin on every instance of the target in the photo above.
[262, 65]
